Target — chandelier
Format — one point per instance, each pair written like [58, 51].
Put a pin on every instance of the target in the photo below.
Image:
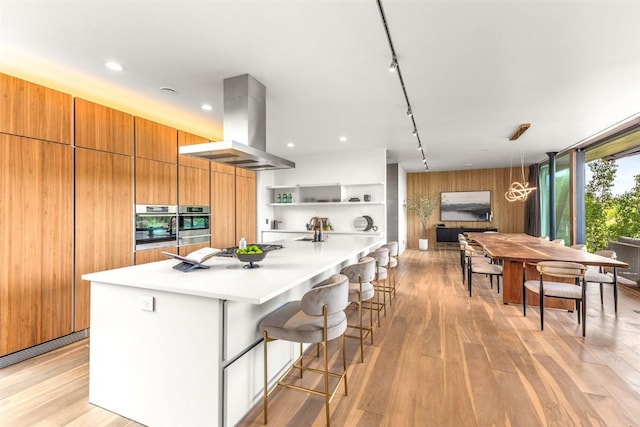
[518, 191]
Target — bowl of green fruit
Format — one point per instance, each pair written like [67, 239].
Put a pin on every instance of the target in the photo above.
[251, 254]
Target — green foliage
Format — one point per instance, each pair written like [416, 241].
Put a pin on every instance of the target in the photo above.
[423, 207]
[609, 216]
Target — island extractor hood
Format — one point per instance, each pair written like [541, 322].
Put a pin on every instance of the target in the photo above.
[244, 123]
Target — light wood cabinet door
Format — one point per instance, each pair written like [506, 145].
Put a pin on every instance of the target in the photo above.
[153, 255]
[156, 182]
[36, 241]
[186, 250]
[103, 128]
[246, 205]
[104, 215]
[185, 138]
[34, 111]
[223, 202]
[156, 141]
[193, 186]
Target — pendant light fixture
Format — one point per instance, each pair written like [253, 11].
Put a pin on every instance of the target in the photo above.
[518, 191]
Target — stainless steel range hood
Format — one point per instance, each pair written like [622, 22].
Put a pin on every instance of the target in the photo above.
[244, 144]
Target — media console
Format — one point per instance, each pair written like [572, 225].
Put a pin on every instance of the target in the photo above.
[450, 234]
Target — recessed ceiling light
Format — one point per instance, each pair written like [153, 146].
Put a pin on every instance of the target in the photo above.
[113, 66]
[486, 149]
[343, 139]
[206, 107]
[290, 144]
[467, 165]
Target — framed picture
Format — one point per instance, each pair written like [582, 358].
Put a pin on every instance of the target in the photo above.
[465, 206]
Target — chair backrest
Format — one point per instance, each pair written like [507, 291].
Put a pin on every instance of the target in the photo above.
[561, 269]
[607, 254]
[393, 248]
[381, 255]
[333, 292]
[544, 238]
[580, 247]
[364, 269]
[558, 242]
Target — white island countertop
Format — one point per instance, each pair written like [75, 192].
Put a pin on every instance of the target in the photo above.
[226, 279]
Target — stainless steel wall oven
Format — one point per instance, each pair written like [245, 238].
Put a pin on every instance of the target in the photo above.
[156, 226]
[193, 225]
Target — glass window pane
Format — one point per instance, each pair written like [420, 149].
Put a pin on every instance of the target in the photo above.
[563, 199]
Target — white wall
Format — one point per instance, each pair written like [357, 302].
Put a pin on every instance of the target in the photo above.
[345, 168]
[402, 209]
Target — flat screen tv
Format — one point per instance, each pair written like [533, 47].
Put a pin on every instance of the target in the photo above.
[465, 206]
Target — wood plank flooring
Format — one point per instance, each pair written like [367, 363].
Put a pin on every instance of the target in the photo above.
[440, 358]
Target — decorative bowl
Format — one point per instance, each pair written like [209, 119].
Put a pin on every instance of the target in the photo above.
[251, 259]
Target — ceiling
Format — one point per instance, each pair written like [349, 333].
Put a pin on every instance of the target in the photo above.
[473, 70]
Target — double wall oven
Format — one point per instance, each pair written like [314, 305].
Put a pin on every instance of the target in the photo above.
[159, 226]
[193, 225]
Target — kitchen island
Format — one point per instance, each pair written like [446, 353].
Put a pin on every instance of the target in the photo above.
[171, 348]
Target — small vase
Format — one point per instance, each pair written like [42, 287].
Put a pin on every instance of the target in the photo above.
[423, 244]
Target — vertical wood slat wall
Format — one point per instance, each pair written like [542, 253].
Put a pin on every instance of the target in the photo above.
[39, 183]
[508, 217]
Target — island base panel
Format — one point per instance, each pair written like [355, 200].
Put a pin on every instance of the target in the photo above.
[143, 361]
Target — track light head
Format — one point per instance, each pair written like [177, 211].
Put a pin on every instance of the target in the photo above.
[394, 66]
[415, 132]
[409, 112]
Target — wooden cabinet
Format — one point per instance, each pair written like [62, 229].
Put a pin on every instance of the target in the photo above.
[155, 141]
[34, 111]
[246, 205]
[185, 138]
[103, 211]
[156, 182]
[223, 202]
[103, 128]
[193, 186]
[36, 205]
[152, 255]
[186, 250]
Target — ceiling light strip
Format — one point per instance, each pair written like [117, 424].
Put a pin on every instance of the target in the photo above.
[396, 68]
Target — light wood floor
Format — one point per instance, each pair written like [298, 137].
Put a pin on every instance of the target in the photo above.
[440, 358]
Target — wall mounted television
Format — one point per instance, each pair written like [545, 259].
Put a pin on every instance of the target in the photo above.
[465, 206]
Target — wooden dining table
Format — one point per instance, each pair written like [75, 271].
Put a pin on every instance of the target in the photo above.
[520, 252]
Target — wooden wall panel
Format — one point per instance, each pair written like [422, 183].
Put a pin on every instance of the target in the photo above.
[508, 217]
[245, 206]
[103, 128]
[193, 186]
[185, 138]
[36, 205]
[34, 111]
[156, 141]
[223, 202]
[104, 215]
[156, 182]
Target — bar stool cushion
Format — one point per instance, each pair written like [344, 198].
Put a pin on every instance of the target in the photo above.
[302, 321]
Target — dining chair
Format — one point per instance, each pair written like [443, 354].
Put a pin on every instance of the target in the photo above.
[579, 247]
[550, 288]
[480, 264]
[558, 242]
[601, 276]
[317, 318]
